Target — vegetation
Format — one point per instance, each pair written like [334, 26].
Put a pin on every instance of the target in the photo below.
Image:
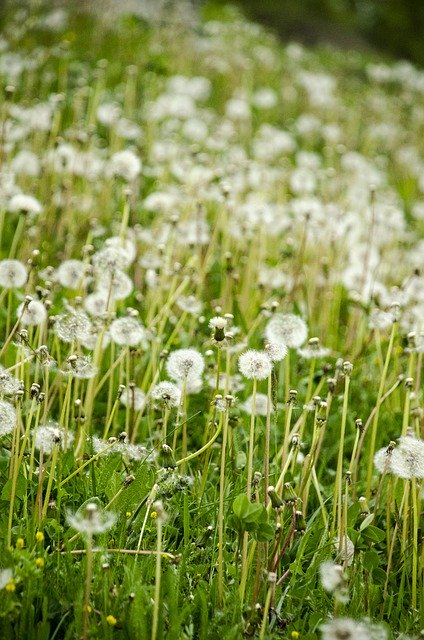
[211, 331]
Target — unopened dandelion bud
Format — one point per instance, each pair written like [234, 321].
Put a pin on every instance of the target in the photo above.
[41, 398]
[122, 436]
[347, 368]
[166, 457]
[257, 477]
[27, 300]
[359, 425]
[112, 440]
[23, 335]
[395, 311]
[292, 396]
[128, 480]
[295, 441]
[34, 390]
[364, 505]
[322, 413]
[409, 383]
[9, 90]
[348, 477]
[272, 577]
[300, 522]
[331, 382]
[276, 501]
[202, 540]
[289, 496]
[316, 400]
[105, 566]
[411, 339]
[121, 390]
[230, 400]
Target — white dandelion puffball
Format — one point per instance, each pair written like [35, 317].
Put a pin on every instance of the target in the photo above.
[125, 164]
[21, 203]
[185, 364]
[255, 365]
[49, 435]
[276, 351]
[287, 328]
[127, 332]
[7, 418]
[405, 460]
[166, 393]
[71, 274]
[91, 520]
[32, 314]
[261, 405]
[13, 274]
[133, 398]
[73, 326]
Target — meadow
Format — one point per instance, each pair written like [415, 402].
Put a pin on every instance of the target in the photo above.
[211, 331]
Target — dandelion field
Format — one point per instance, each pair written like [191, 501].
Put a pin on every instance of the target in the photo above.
[211, 331]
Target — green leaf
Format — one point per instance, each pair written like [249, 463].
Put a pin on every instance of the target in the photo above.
[265, 532]
[373, 534]
[370, 560]
[366, 522]
[20, 490]
[241, 506]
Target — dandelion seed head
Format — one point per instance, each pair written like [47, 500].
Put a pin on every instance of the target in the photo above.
[261, 405]
[80, 367]
[125, 164]
[288, 328]
[406, 460]
[110, 258]
[117, 284]
[344, 629]
[71, 274]
[133, 397]
[96, 303]
[21, 203]
[50, 435]
[185, 364]
[255, 364]
[72, 326]
[189, 304]
[7, 418]
[380, 319]
[331, 576]
[91, 520]
[313, 350]
[276, 351]
[123, 244]
[13, 274]
[127, 331]
[166, 393]
[32, 314]
[9, 385]
[218, 322]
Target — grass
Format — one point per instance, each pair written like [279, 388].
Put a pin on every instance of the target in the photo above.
[276, 496]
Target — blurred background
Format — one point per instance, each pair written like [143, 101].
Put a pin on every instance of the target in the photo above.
[395, 27]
